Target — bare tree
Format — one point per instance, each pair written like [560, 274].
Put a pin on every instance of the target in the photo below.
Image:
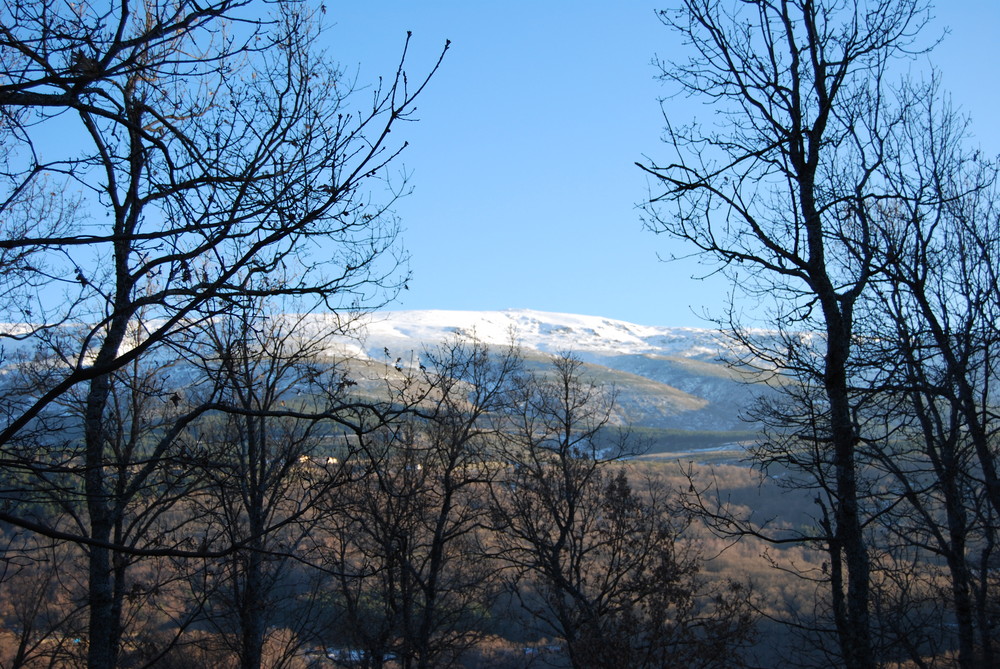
[145, 484]
[201, 150]
[415, 577]
[930, 325]
[600, 563]
[42, 622]
[277, 396]
[784, 196]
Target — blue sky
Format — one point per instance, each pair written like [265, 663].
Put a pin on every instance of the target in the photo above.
[522, 162]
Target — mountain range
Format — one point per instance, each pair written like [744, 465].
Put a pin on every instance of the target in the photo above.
[672, 385]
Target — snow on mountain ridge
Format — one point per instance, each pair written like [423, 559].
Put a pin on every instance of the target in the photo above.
[550, 332]
[665, 377]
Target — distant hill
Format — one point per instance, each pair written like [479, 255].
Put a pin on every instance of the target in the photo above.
[672, 384]
[672, 387]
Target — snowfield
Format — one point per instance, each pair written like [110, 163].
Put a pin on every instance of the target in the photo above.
[664, 377]
[586, 336]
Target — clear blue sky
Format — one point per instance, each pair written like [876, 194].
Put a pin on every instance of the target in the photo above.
[523, 160]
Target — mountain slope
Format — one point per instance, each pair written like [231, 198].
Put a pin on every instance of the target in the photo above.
[547, 332]
[666, 378]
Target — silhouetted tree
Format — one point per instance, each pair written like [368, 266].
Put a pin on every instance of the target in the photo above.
[415, 576]
[599, 563]
[200, 151]
[930, 330]
[784, 196]
[40, 618]
[277, 397]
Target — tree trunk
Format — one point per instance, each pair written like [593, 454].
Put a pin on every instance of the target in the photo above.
[855, 627]
[252, 616]
[102, 625]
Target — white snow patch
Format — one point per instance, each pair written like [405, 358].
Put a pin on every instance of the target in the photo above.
[536, 330]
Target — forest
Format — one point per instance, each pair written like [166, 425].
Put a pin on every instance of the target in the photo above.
[475, 512]
[191, 475]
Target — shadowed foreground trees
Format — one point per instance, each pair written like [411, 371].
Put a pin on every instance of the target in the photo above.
[275, 393]
[931, 331]
[296, 530]
[597, 561]
[783, 197]
[855, 209]
[414, 580]
[502, 480]
[206, 153]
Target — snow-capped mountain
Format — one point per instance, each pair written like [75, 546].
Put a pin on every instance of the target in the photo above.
[666, 378]
[547, 332]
